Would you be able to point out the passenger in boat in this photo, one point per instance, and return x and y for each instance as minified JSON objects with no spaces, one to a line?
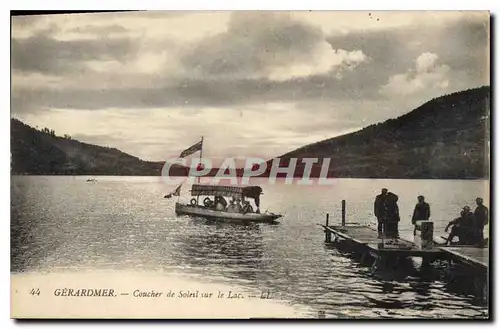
{"x":230,"y":208}
{"x":208,"y":203}
{"x":380,"y":209}
{"x":422,"y":212}
{"x":220,"y":203}
{"x":481,"y":219}
{"x":237,"y":206}
{"x":247,"y":207}
{"x":462,"y":227}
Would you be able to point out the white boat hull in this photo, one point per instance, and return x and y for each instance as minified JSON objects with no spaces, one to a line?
{"x":199,"y":211}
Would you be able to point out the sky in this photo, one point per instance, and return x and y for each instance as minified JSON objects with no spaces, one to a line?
{"x":256,"y":84}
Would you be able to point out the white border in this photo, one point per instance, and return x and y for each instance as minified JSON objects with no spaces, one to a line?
{"x":184,"y":5}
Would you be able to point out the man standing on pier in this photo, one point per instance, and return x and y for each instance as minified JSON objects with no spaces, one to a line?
{"x":480,"y":220}
{"x":380,"y":210}
{"x":391,"y":229}
{"x":422,"y":212}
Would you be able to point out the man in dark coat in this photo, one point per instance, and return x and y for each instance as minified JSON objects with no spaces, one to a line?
{"x":392,"y":221}
{"x":481,"y":219}
{"x":380,"y":209}
{"x":422,"y":212}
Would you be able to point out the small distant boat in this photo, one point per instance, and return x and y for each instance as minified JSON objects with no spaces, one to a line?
{"x":215,"y":208}
{"x":92,"y":180}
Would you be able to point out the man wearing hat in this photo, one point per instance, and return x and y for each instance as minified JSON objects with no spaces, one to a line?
{"x":380,"y":210}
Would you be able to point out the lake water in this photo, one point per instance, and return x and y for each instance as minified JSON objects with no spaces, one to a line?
{"x":62,"y":224}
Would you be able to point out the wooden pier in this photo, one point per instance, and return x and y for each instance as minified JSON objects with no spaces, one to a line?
{"x":393,"y":253}
{"x":367,"y":240}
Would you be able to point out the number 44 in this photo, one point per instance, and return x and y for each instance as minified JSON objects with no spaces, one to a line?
{"x":35,"y":292}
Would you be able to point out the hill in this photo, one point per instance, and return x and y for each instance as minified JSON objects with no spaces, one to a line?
{"x":446,"y":138}
{"x":37,"y":152}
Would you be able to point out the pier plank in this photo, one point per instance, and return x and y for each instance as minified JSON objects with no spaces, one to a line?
{"x":359,"y":234}
{"x":368,"y":237}
{"x":474,"y":255}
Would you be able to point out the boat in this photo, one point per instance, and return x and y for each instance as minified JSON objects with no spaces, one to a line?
{"x":213,"y":204}
{"x":239,"y":208}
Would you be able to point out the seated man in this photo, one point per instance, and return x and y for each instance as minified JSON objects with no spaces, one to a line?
{"x":462,"y":227}
{"x":237,"y":206}
{"x":231,"y":207}
{"x":220,"y":203}
{"x":456,"y":230}
{"x":247,"y":207}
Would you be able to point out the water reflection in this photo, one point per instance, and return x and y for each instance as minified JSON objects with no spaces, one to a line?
{"x":421,"y":288}
{"x":234,"y":250}
{"x":411,"y":286}
{"x":29,"y":243}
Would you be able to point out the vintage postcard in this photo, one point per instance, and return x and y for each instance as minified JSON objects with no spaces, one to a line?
{"x":250,"y":164}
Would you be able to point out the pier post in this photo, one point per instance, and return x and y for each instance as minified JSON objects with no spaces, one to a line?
{"x":343,"y":212}
{"x":328,"y":234}
{"x":424,"y":239}
{"x":427,"y":233}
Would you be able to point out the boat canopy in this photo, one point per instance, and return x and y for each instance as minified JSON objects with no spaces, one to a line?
{"x":238,"y":192}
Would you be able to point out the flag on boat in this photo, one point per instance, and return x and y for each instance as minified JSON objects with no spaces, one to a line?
{"x":195,"y":148}
{"x":176,"y":192}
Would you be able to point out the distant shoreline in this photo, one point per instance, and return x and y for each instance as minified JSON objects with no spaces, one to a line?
{"x":260,"y":177}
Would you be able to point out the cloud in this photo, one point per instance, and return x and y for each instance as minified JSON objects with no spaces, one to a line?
{"x":427,"y":75}
{"x":325,"y":60}
{"x":461,"y":41}
{"x":133,"y":91}
{"x":99,"y":30}
{"x":267,"y":45}
{"x":229,"y":58}
{"x":42,"y":53}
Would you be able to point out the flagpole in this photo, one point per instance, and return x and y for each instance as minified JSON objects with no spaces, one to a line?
{"x":201,"y":155}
